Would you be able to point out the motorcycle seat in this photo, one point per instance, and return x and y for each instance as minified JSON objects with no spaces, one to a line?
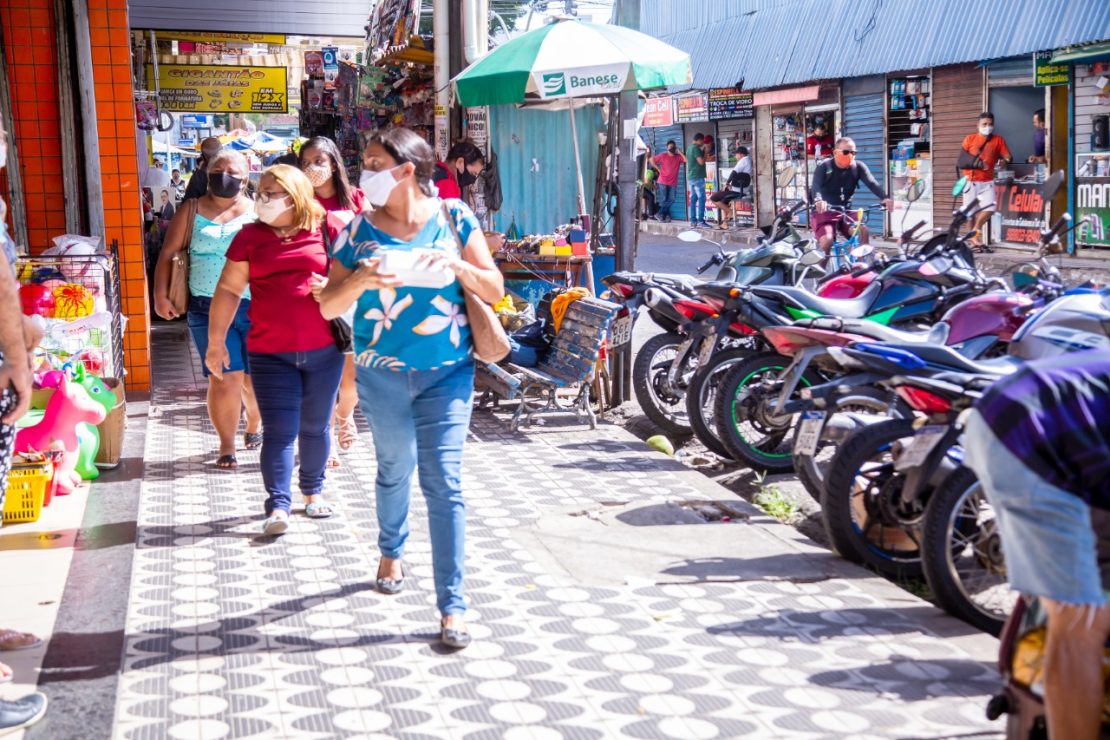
{"x":943,"y":357}
{"x":848,"y":308}
{"x":938,"y":334}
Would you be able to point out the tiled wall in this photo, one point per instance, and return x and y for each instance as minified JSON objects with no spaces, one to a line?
{"x":29,"y":43}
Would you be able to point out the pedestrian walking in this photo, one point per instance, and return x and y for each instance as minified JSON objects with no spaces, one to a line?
{"x":18,"y":337}
{"x":217,"y":217}
{"x":323,"y":165}
{"x":295,"y":363}
{"x":695,"y":176}
{"x":983,"y":150}
{"x":668,"y":163}
{"x":413,"y":354}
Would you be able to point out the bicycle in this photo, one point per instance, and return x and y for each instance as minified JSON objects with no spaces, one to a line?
{"x":841,"y":251}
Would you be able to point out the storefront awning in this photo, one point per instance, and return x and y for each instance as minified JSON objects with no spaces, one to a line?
{"x":791,"y":95}
{"x":1079,"y":53}
{"x":414,"y":53}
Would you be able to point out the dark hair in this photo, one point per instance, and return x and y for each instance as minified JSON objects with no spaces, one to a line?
{"x":671,"y":142}
{"x":742,"y":150}
{"x":699,"y":137}
{"x":405,"y":145}
{"x":468,"y":151}
{"x":1039,"y":113}
{"x":986,"y":114}
{"x":338,"y":172}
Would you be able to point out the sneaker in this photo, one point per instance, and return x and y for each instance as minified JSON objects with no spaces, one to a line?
{"x":21,"y":713}
{"x":277,"y":523}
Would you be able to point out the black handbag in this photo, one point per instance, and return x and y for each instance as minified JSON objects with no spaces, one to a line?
{"x":965,"y":160}
{"x":343,"y":335}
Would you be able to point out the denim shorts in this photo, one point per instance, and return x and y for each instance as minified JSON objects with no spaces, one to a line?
{"x":1049,"y":536}
{"x":197,"y":319}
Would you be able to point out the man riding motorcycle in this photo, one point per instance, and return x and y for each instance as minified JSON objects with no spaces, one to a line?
{"x":1039,"y":442}
{"x":834,"y":182}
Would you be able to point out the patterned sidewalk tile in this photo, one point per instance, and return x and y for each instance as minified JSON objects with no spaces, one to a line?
{"x":230,"y":634}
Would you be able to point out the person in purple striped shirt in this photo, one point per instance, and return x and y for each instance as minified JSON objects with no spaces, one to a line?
{"x":1039,"y":442}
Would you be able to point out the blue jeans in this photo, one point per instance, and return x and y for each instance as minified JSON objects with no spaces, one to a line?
{"x":420,"y":418}
{"x":665,"y":198}
{"x":697,"y":200}
{"x":296,"y":395}
{"x":197,"y":319}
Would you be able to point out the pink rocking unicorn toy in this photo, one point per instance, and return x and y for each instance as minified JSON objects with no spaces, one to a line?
{"x":69,"y":406}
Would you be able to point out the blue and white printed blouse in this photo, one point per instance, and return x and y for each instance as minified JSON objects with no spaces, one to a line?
{"x":409,"y":328}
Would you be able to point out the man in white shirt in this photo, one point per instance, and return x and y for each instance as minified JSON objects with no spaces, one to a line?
{"x":737,"y":187}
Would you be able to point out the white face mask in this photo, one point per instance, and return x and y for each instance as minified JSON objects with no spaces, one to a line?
{"x":986,"y":130}
{"x":317,"y":174}
{"x":272,"y":210}
{"x":3,"y":153}
{"x":377,"y":186}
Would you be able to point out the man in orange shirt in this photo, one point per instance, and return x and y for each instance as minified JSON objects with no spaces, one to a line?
{"x":989,"y":149}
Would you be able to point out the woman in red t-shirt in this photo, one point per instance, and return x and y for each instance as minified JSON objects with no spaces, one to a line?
{"x":465,"y":162}
{"x":323,"y":165}
{"x":283,"y":258}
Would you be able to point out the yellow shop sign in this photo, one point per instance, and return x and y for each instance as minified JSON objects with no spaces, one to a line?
{"x":207,"y":37}
{"x":212,"y":88}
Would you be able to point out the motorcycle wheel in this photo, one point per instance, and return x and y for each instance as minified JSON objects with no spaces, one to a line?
{"x":666,"y":411}
{"x":861,"y":509}
{"x":962,"y":554}
{"x":813,"y":469}
{"x":701,"y":398}
{"x":748,"y":431}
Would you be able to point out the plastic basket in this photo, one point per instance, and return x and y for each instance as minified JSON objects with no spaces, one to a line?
{"x":26,"y":488}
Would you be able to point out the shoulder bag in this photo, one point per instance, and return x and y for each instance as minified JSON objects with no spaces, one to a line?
{"x":342,"y":333}
{"x":491,"y":343}
{"x":968,"y":161}
{"x":179,"y":265}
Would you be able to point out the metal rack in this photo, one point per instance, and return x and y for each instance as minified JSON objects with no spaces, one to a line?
{"x":100,"y":270}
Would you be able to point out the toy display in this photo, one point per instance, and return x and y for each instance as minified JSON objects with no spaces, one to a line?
{"x":70,"y":406}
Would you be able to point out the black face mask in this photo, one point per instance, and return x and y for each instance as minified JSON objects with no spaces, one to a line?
{"x":466,"y":179}
{"x":223,"y":185}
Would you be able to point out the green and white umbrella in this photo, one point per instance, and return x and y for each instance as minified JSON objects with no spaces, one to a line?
{"x":569,"y":59}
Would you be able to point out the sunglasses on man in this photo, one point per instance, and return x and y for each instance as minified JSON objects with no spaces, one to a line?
{"x":848,"y":152}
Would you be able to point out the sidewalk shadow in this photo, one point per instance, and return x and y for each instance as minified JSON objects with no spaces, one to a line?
{"x":164,"y":535}
{"x":915,"y":680}
{"x":789,"y":567}
{"x":828,"y":623}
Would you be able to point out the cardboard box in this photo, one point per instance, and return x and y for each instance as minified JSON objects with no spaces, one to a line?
{"x":112,"y":428}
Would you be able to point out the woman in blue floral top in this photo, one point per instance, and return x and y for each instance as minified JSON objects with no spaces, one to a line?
{"x":413,"y":354}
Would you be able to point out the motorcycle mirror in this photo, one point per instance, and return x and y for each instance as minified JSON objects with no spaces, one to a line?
{"x":915,"y":191}
{"x":1052,"y":185}
{"x":812,"y":257}
{"x":862,"y":250}
{"x":960,"y":186}
{"x":689,"y":236}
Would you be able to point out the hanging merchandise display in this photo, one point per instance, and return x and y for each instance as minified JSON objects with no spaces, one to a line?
{"x":789,"y":145}
{"x":392,"y":24}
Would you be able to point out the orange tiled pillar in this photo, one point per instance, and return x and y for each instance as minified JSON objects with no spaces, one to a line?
{"x":119,"y":168}
{"x":29,"y":44}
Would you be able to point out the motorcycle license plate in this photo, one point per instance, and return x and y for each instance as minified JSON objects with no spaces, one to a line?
{"x":809,"y":432}
{"x":622,"y":331}
{"x":923,"y":443}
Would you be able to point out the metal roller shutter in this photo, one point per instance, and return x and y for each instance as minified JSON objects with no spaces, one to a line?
{"x":661,"y":136}
{"x":957,"y":102}
{"x":1011,"y":72}
{"x":863,"y":122}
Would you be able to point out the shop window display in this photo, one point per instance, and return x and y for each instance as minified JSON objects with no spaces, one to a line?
{"x":909,"y":101}
{"x":789,"y":142}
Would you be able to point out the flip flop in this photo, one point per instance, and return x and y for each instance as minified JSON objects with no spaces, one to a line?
{"x":252,"y":440}
{"x":318,"y":510}
{"x":227,"y":462}
{"x":5,"y":635}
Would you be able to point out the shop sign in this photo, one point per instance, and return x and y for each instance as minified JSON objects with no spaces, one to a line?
{"x":658,"y":112}
{"x":790,"y":95}
{"x":196,"y":121}
{"x":1092,"y":198}
{"x":209,"y":88}
{"x":691,"y":107}
{"x":728,"y":102}
{"x":1045,"y":73}
{"x":1021,"y":206}
{"x":206,"y":37}
{"x":330,"y":56}
{"x":602,"y":80}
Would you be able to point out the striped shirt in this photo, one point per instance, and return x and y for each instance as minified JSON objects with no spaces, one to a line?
{"x":1054,"y":415}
